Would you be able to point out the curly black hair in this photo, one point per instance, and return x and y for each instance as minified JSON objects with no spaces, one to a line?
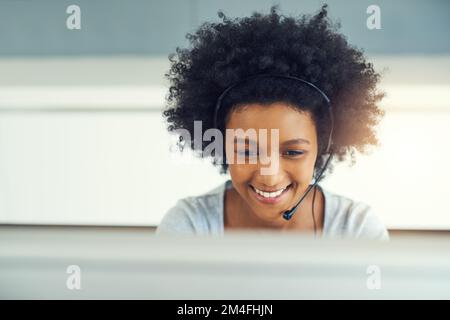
{"x":308,"y":47}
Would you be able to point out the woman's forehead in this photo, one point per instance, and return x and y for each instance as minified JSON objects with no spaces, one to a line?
{"x":276,"y":115}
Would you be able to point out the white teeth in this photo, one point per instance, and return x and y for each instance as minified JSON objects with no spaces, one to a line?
{"x":269,"y":194}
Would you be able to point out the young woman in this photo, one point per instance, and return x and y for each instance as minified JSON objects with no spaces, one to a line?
{"x":297,"y":75}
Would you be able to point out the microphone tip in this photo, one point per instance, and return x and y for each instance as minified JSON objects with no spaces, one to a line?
{"x":287,"y":215}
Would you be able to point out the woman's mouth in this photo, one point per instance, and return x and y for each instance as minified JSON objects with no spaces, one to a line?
{"x":270,"y":197}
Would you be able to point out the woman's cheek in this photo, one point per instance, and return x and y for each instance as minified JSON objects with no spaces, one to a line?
{"x":301,"y":171}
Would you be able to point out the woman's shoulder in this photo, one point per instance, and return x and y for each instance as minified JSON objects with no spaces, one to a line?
{"x":195,"y":214}
{"x":347,"y":217}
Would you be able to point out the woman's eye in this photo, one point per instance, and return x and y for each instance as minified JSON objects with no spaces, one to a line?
{"x":289,"y":153}
{"x":294,"y":153}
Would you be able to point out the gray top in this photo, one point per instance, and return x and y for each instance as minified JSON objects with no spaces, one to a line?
{"x":204,"y":215}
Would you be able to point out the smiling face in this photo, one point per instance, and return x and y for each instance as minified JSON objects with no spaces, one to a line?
{"x":267,"y":196}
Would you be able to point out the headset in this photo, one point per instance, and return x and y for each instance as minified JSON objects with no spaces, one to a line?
{"x":287,"y":215}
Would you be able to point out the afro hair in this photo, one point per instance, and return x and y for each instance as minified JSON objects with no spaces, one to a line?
{"x":308,"y":47}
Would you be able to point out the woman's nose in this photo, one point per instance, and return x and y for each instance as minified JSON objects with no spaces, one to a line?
{"x":272,"y":180}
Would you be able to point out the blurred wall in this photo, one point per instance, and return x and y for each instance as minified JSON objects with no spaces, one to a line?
{"x":29,"y":27}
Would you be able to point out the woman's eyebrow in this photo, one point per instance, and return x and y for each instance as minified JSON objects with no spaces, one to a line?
{"x":295,"y":141}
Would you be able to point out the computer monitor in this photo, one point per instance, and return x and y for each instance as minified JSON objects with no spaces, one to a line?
{"x":128,"y":263}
